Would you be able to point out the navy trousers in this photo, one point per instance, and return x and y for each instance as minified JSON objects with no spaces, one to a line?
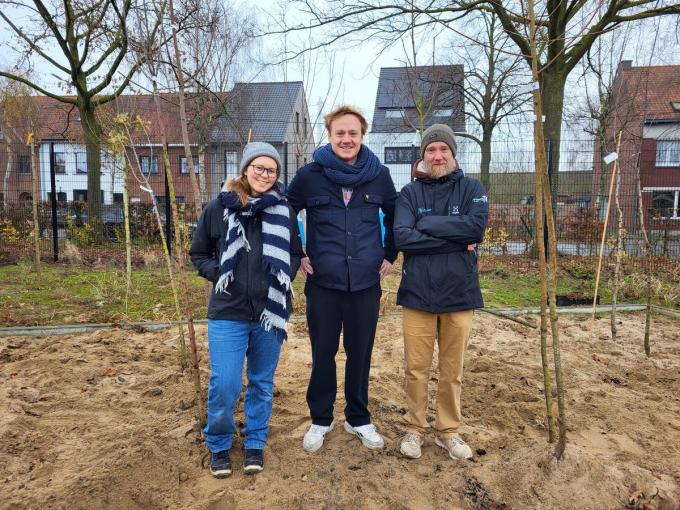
{"x":355,"y":313}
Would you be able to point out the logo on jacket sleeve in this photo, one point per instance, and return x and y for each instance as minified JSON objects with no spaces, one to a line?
{"x":481,"y":199}
{"x":453,"y":210}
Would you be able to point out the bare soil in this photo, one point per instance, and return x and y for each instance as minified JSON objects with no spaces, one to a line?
{"x":104,"y":420}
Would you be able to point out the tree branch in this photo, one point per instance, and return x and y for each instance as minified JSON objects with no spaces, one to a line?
{"x":38,"y":88}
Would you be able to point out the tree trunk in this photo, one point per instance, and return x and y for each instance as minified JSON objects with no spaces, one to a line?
{"x":552,"y":96}
{"x":619,"y":254}
{"x":181,"y":247}
{"x":485,"y":148}
{"x":8,"y":169}
{"x":128,"y":237}
{"x":93,"y":132}
{"x":196,"y":191}
{"x":548,"y":266}
{"x":35,"y":192}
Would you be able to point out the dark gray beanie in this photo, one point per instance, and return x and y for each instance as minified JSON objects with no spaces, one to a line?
{"x":438,"y":133}
{"x":255,"y":150}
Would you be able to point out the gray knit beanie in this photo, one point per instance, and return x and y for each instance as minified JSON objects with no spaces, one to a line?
{"x":255,"y":150}
{"x":438,"y":133}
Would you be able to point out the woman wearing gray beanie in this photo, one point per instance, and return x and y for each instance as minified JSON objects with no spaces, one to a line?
{"x":248,"y":245}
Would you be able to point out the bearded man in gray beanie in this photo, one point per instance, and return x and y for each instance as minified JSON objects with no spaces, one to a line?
{"x":439,"y":219}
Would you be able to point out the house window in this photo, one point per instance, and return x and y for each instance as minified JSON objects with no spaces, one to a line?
{"x":297,"y":123}
{"x":148,"y":164}
{"x":117,"y":198}
{"x":393,"y":113}
{"x":665,"y":204}
{"x":25,"y":197}
{"x":81,"y":162}
{"x":59,"y":163}
{"x":24,"y":164}
{"x":400,"y":155}
{"x":230,"y":166}
{"x":668,"y":153}
{"x":80,"y":195}
{"x":443,"y":112}
{"x":305,"y":127}
{"x":61,"y":196}
{"x":180,"y":199}
{"x":183,"y":164}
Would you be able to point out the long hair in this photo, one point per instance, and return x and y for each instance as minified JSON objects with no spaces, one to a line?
{"x":240,"y":186}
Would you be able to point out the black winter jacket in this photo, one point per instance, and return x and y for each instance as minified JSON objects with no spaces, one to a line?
{"x":434,"y":222}
{"x":344,"y":243}
{"x":248,"y":291}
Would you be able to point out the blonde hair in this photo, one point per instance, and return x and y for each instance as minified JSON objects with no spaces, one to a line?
{"x":345,"y":110}
{"x":241,"y":187}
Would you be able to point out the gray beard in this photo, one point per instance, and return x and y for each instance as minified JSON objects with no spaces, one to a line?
{"x":437,"y":173}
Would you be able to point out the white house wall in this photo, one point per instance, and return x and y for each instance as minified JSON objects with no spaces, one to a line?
{"x":377,"y":142}
{"x":111,"y":172}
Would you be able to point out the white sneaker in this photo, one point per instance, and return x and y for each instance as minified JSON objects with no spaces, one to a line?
{"x":455,"y":446}
{"x":315,"y":436}
{"x":410,"y":444}
{"x":368,"y":435}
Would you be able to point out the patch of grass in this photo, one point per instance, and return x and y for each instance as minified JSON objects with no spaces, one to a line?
{"x":68,"y":294}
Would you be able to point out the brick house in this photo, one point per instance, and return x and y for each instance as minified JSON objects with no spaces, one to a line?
{"x":61,"y":151}
{"x":646,"y":110}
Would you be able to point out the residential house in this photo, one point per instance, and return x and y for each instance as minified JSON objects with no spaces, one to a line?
{"x":409,"y":100}
{"x":15,"y":154}
{"x":272,"y":112}
{"x":646,"y":110}
{"x":218,"y":128}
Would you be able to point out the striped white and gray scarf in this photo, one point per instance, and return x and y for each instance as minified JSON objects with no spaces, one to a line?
{"x":273,"y":210}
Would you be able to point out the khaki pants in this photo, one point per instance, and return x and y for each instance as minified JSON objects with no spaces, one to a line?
{"x":452,"y":331}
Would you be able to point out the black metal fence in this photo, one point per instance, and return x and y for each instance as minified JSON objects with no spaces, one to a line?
{"x":57,"y":176}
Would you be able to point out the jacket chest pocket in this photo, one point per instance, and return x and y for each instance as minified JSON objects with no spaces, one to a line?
{"x":370,"y":207}
{"x":317,"y":210}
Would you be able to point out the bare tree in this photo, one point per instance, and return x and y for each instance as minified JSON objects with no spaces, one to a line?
{"x":565,"y":30}
{"x":90,"y":39}
{"x":492,"y":89}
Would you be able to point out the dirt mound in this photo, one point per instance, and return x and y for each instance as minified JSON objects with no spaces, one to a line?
{"x":104,"y":420}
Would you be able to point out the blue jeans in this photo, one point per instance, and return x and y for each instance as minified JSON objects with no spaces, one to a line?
{"x":229,"y":343}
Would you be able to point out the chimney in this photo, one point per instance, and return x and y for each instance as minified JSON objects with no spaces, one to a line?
{"x":625,"y":65}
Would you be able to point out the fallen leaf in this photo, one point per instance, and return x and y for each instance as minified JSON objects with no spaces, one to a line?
{"x":107,"y":372}
{"x":635,"y":496}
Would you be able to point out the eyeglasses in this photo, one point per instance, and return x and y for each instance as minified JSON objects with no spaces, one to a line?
{"x":262,"y":170}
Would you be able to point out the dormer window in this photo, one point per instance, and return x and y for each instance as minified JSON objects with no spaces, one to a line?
{"x":393,"y":113}
{"x":675,"y":105}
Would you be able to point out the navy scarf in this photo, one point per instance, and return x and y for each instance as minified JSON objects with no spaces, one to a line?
{"x":365,"y":169}
{"x":272,"y":207}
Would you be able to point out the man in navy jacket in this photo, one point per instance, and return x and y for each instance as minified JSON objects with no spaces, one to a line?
{"x":342,"y":191}
{"x":438,"y":221}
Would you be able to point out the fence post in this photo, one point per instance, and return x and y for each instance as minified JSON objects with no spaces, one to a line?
{"x":414,"y":157}
{"x":168,"y":214}
{"x":285,"y":164}
{"x":53,"y":203}
{"x":550,"y":161}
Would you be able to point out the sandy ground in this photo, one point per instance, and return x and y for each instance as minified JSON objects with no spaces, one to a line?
{"x":104,"y":420}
